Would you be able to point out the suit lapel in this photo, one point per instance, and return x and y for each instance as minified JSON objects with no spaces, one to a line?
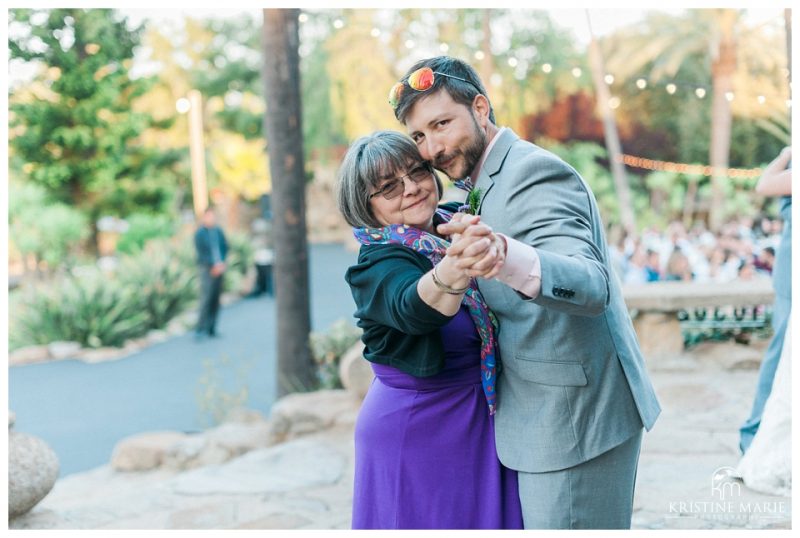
{"x":493,"y":164}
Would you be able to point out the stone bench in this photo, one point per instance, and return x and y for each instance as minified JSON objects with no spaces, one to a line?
{"x":655,"y":306}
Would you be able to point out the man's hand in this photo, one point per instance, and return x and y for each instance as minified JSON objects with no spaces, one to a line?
{"x":217,"y":269}
{"x":478,"y":250}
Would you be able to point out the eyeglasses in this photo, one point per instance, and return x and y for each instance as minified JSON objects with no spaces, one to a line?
{"x":421,"y":80}
{"x":396,"y":186}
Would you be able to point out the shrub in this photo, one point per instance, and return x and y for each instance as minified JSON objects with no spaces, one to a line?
{"x":48,"y":230}
{"x":165,"y":283}
{"x":90,"y":309}
{"x":328,"y":348}
{"x":141,"y":229}
{"x":239,"y":260}
{"x":98,"y":309}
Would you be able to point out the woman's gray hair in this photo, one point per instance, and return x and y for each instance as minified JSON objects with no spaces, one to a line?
{"x":368,"y":161}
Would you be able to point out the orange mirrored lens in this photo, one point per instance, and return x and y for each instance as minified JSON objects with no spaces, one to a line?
{"x":421,"y":79}
{"x":395,"y":93}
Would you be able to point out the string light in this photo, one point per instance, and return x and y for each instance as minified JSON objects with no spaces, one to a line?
{"x":375,"y":32}
{"x":444,"y":47}
{"x":512,"y":62}
{"x":671,"y":88}
{"x":409,"y":44}
{"x":761,"y":99}
{"x":609,"y":79}
{"x":691,"y":169}
{"x":547,"y":68}
{"x":641,"y":84}
{"x":479,"y":55}
{"x":338,"y":24}
{"x":614,"y":103}
{"x":303,"y":17}
{"x":576,"y":72}
{"x":729,"y":96}
{"x":700,"y":92}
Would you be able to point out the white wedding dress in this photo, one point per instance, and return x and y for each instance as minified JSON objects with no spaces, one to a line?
{"x":767,"y":464}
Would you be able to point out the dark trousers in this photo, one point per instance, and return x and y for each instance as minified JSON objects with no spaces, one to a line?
{"x":263,"y":280}
{"x":210,"y":291}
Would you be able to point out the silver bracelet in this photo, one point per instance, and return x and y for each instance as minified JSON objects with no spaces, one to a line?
{"x":444,"y":287}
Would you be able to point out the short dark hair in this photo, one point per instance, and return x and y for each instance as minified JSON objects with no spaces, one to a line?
{"x":460,"y":91}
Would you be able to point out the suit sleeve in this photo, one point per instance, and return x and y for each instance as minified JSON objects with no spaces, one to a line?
{"x":384,"y":286}
{"x":554,"y":215}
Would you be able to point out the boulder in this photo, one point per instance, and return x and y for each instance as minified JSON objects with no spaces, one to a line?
{"x":29,"y":355}
{"x":32,"y":472}
{"x":63,"y":350}
{"x":243,"y":415}
{"x":193,"y":452}
{"x":355,"y":371}
{"x":101,"y":354}
{"x":144,"y":451}
{"x":308,"y":412}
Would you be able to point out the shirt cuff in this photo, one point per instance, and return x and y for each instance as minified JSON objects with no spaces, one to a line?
{"x":522,"y":270}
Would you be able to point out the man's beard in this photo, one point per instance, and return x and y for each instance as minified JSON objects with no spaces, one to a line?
{"x":472,"y":153}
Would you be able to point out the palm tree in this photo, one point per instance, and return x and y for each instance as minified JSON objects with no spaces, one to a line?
{"x":613,"y":145}
{"x":284,"y":131}
{"x":664,"y":43}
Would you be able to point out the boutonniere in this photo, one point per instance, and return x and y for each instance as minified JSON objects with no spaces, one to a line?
{"x":473,"y":201}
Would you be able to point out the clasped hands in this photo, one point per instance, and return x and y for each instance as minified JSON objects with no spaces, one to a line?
{"x":476,"y":249}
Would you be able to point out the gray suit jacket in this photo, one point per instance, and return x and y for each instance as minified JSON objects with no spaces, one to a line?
{"x":573,"y":383}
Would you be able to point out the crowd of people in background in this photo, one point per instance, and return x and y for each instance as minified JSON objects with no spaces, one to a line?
{"x":743,"y":249}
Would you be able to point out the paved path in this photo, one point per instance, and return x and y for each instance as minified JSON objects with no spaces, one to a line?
{"x":82,"y":410}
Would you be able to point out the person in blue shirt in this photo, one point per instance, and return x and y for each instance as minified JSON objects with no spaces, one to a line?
{"x":212,"y":248}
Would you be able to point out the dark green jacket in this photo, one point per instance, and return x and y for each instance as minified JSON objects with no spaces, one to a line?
{"x":400,"y":330}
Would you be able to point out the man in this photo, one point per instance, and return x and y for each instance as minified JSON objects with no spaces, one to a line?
{"x":209,"y":241}
{"x":573,"y":395}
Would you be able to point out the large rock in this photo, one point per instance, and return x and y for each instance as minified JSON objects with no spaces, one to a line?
{"x":32,"y":472}
{"x":29,"y":355}
{"x":298,"y":465}
{"x":355,"y":371}
{"x":308,"y":412}
{"x":218,"y":445}
{"x":144,"y":451}
{"x":63,"y":350}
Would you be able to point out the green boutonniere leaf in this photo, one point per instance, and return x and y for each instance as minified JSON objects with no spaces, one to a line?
{"x":473,"y":201}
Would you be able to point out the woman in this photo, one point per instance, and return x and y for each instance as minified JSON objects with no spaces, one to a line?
{"x":424,"y":440}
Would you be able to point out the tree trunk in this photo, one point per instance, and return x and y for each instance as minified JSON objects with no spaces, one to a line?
{"x":283,"y":128}
{"x":689,"y":201}
{"x":613,"y":145}
{"x":721,"y":119}
{"x":486,"y":47}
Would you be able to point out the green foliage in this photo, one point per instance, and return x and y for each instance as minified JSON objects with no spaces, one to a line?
{"x":89,"y":309}
{"x":74,"y":125}
{"x":105,"y":309}
{"x":143,"y":227}
{"x":165,"y":285}
{"x":50,"y":231}
{"x":328,"y":348}
{"x":240,"y":260}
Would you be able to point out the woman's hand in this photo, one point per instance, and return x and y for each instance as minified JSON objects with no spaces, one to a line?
{"x":478,"y":251}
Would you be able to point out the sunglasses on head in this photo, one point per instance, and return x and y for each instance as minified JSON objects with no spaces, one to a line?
{"x":420,"y":80}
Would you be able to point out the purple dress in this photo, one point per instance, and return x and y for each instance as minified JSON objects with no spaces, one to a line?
{"x":425,"y":452}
